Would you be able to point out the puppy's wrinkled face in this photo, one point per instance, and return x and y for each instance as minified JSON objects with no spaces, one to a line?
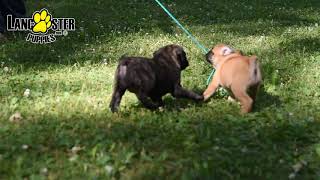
{"x":174,"y":53}
{"x":215,"y":54}
{"x":182,"y":59}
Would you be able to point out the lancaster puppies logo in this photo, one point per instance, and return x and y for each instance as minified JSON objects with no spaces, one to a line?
{"x":42,"y":26}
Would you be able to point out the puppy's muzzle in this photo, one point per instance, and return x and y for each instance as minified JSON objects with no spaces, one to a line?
{"x":208,"y":57}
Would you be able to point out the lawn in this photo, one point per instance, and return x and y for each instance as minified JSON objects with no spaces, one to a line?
{"x":68,"y":132}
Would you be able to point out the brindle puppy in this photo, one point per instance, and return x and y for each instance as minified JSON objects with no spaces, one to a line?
{"x":150,"y":79}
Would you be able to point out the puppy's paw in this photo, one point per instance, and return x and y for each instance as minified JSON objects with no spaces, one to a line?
{"x":161,"y":109}
{"x":199,"y":98}
{"x":205,"y":97}
{"x":230,"y":99}
{"x":113,"y":109}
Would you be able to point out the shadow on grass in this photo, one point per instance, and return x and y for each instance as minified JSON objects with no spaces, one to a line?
{"x":195,"y":145}
{"x":177,"y":104}
{"x":172,"y":104}
{"x":110,"y":20}
{"x":266,"y":100}
{"x":302,"y":44}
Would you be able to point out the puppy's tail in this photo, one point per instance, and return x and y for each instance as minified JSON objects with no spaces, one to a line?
{"x":119,"y":84}
{"x":255,"y":72}
{"x":121,"y":71}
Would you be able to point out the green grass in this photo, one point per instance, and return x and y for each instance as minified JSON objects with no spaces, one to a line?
{"x":71,"y":84}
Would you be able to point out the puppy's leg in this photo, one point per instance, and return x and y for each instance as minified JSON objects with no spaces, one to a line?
{"x":146,"y":101}
{"x":231,"y":97}
{"x":211,"y":88}
{"x":180,"y":92}
{"x":254,"y":91}
{"x":242,"y":96}
{"x":116,"y":98}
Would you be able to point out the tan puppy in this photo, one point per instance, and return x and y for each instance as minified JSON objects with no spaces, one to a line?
{"x":237,"y":73}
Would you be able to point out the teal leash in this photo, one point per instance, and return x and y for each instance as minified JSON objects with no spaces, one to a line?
{"x":210,"y":76}
{"x":200,"y":46}
{"x":205,"y":50}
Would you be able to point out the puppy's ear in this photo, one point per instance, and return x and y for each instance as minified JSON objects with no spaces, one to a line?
{"x":158,"y":52}
{"x":182,"y":58}
{"x":226,"y":51}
